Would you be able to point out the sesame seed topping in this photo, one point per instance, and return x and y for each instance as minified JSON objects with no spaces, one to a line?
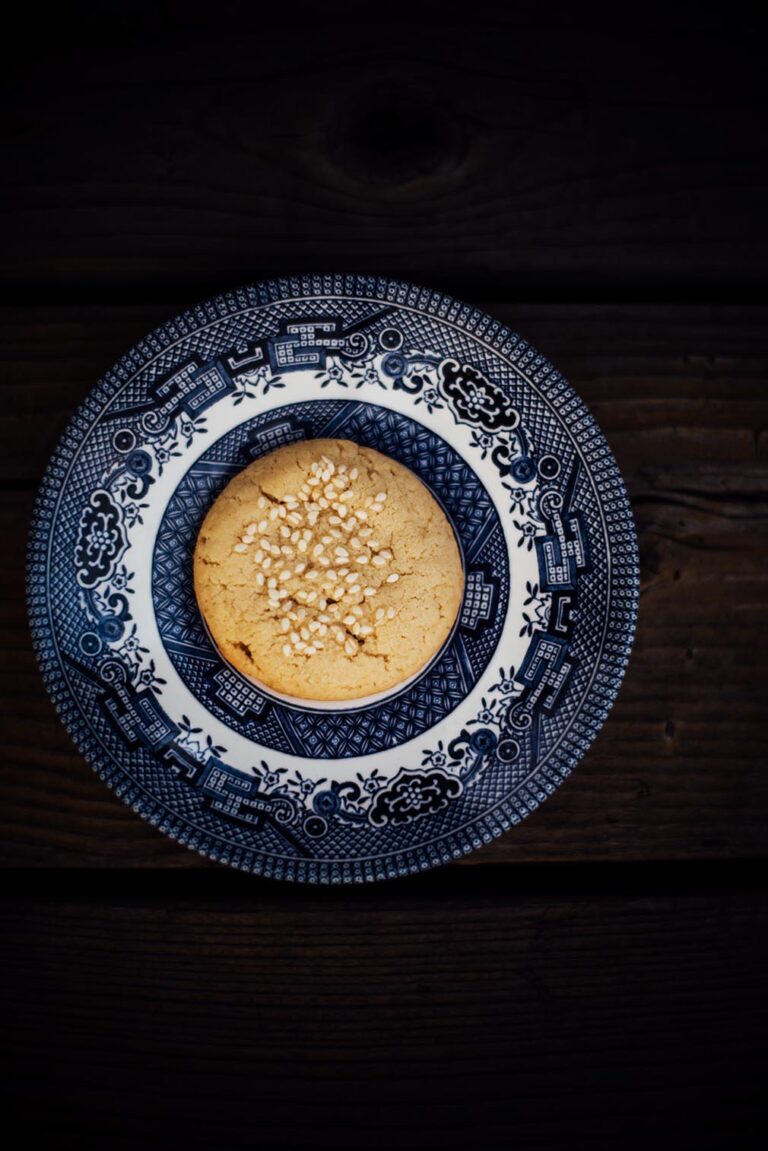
{"x":325,"y":590}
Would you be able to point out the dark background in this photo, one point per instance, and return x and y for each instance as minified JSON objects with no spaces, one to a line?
{"x":596,"y":977}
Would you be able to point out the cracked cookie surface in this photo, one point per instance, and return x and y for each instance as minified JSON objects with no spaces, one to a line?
{"x":327,"y":571}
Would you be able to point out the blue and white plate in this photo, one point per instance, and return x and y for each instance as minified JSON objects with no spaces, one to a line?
{"x":381,"y":787}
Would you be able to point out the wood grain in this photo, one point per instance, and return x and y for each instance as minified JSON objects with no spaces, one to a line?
{"x":500,"y":1007}
{"x":515,"y":153}
{"x":678,"y":770}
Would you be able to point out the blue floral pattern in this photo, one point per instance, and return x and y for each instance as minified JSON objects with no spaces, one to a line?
{"x":567,"y":514}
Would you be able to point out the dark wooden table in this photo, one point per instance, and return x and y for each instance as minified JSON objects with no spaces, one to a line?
{"x":596,"y":977}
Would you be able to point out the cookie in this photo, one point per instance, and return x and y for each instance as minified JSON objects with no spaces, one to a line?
{"x":327,"y":571}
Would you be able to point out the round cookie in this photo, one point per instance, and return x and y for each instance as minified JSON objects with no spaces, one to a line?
{"x":327,"y":571}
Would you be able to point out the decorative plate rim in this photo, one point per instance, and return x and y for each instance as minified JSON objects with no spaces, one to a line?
{"x":607,"y":676}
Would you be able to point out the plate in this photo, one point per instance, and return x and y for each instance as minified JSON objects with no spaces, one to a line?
{"x":386,"y":786}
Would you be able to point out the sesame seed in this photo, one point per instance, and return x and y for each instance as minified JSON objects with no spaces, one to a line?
{"x":287,"y":649}
{"x":361,"y":515}
{"x":258,"y":556}
{"x":378,"y":561}
{"x":369,"y":591}
{"x":313,"y":481}
{"x":355,"y":629}
{"x":301,"y":646}
{"x":366,"y":532}
{"x":241,"y":547}
{"x":322,"y":502}
{"x":304,"y":632}
{"x":263,"y":525}
{"x":273,"y":513}
{"x":353,"y":577}
{"x":342,"y":572}
{"x":380,"y":613}
{"x":350,"y":647}
{"x":267,"y":562}
{"x":259,"y":579}
{"x":354,"y":473}
{"x":261,"y":502}
{"x":345,"y":497}
{"x":285,"y":625}
{"x":357,"y":610}
{"x":393,"y":578}
{"x":302,"y":545}
{"x":295,"y":637}
{"x":380,"y":497}
{"x":340,"y":636}
{"x":285,"y":533}
{"x":334,"y":520}
{"x":390,"y":613}
{"x":299,"y":568}
{"x":361,"y":559}
{"x":377,"y":507}
{"x":310,"y":650}
{"x":311,"y":574}
{"x":366,"y":629}
{"x":286,"y":550}
{"x":252,"y":529}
